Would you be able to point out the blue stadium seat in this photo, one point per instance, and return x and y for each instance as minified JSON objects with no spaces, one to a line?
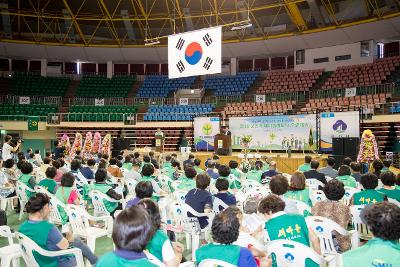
{"x":173,"y":112}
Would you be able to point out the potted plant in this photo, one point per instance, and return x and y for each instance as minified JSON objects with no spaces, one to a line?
{"x":245,"y":142}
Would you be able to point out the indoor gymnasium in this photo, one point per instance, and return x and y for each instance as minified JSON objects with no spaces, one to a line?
{"x":199,"y":133}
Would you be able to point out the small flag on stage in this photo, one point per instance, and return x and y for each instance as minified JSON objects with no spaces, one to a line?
{"x":310,"y":139}
{"x":33,"y":123}
{"x":194,"y":53}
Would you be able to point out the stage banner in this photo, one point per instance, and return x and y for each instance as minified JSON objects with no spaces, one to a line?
{"x":205,"y":128}
{"x":275,"y":132}
{"x":338,"y":124}
{"x":194,"y":53}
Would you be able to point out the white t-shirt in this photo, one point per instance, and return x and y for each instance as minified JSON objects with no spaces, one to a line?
{"x":6,"y":152}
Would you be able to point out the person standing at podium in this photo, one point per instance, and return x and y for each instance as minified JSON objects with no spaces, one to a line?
{"x":160,"y":134}
{"x":225,"y":130}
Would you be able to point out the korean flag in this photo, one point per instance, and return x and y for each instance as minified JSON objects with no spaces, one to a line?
{"x":194,"y":53}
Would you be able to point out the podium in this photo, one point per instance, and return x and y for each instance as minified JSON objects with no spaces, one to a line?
{"x":222,"y":144}
{"x":159,"y":143}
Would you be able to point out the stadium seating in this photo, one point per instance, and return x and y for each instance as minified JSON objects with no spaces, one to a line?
{"x":362,"y":75}
{"x":101,"y":86}
{"x":280,"y":81}
{"x":395,"y":108}
{"x":255,"y":109}
{"x":33,"y":84}
{"x":230,"y":85}
{"x":13,"y":112}
{"x":99,"y":113}
{"x":161,"y":86}
{"x":174,"y":112}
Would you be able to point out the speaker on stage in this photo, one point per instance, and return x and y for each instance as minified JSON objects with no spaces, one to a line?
{"x":351,"y":146}
{"x":337,"y":146}
{"x":343,"y":147}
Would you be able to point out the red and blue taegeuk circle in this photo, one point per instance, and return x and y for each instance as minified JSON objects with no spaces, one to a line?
{"x":193,"y":53}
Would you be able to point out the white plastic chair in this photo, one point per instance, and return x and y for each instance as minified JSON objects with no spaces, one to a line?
{"x":130,"y":184}
{"x":358,"y":224}
{"x":213,"y":263}
{"x":349,"y":192}
{"x":97,"y":197}
{"x":302,"y":207}
{"x":11,"y":253}
{"x":55,"y":216}
{"x":249,"y":184}
{"x":21,"y":189}
{"x":324,"y":227}
{"x":394,"y":201}
{"x":29,"y":246}
{"x":314,"y":183}
{"x":317,"y":196}
{"x":79,"y":221}
{"x":218,"y":203}
{"x":165,"y":182}
{"x":257,"y":192}
{"x":180,"y":195}
{"x":292,"y":254}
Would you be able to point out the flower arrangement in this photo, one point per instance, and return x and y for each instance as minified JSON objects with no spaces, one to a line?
{"x":96,"y":143}
{"x":245,"y":140}
{"x":87,"y":147}
{"x":106,"y":145}
{"x":368,"y":148}
{"x":65,"y":143}
{"x":77,"y":145}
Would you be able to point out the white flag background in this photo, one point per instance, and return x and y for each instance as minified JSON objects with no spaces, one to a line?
{"x":194,"y":53}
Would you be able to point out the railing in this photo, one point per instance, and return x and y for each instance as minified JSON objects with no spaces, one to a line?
{"x":36,"y":100}
{"x":361,"y":90}
{"x":20,"y":117}
{"x":114,"y":101}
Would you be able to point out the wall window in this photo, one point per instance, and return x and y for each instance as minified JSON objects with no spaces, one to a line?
{"x":300,"y":57}
{"x":321,"y":60}
{"x":343,"y":57}
{"x":365,"y":49}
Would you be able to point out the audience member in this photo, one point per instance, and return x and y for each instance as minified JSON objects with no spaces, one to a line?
{"x":233,"y":164}
{"x":279,"y":185}
{"x":225,"y":172}
{"x":196,"y":166}
{"x":306,"y":165}
{"x":27,"y":178}
{"x":89,"y":170}
{"x":297,"y":189}
{"x":134,"y":173}
{"x":271,"y":172}
{"x":189,"y":161}
{"x":143,"y":189}
{"x":10,"y":172}
{"x":377,"y":167}
{"x":45,"y":164}
{"x":188,"y":182}
{"x":383,"y":219}
{"x":222,"y":186}
{"x":67,"y":192}
{"x":369,"y":195}
{"x":48,"y":183}
{"x":335,"y":210}
{"x":388,"y":180}
{"x":329,"y":169}
{"x":344,"y":175}
{"x":255,"y":173}
{"x":211,"y":171}
{"x":347,"y":161}
{"x":113,"y":169}
{"x":386,"y":165}
{"x":355,"y":169}
{"x":56,"y":164}
{"x":313,"y":173}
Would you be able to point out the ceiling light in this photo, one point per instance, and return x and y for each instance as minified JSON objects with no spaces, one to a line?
{"x":149,"y":42}
{"x":241,"y":26}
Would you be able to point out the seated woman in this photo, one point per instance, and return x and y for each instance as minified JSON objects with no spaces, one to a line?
{"x":59,"y":173}
{"x":132,"y":230}
{"x":255,"y":172}
{"x":101,"y":185}
{"x":187,"y":182}
{"x":233,"y":164}
{"x":388,"y":180}
{"x":225,"y":231}
{"x":127,"y":165}
{"x":159,"y":245}
{"x":49,"y":182}
{"x":200,"y":199}
{"x":222,"y":185}
{"x":383,"y":219}
{"x":48,"y":237}
{"x":26,"y":177}
{"x":344,"y":175}
{"x":113,"y":169}
{"x":143,"y":189}
{"x":282,"y":225}
{"x":225,"y":172}
{"x":335,"y":210}
{"x":297,"y":189}
{"x":369,"y":195}
{"x":67,"y":192}
{"x":10,"y":172}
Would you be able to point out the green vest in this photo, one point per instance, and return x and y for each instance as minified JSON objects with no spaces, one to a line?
{"x":254,"y":175}
{"x":227,"y":253}
{"x":103,"y":188}
{"x":366,"y":197}
{"x":127,"y":166}
{"x":304,"y":167}
{"x":395,"y":194}
{"x":348,"y":180}
{"x":236,"y":173}
{"x":156,"y":243}
{"x":186,"y":184}
{"x":233,"y":183}
{"x":301,"y":195}
{"x":265,"y":167}
{"x":112,"y":260}
{"x":63,"y":198}
{"x":49,"y":184}
{"x":24,"y":178}
{"x":198,"y":170}
{"x":39,"y":232}
{"x":376,"y":252}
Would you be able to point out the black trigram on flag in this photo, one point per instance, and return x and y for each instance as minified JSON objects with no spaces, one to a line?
{"x":207,"y":39}
{"x":180,"y":44}
{"x":208,"y":63}
{"x":180,"y":66}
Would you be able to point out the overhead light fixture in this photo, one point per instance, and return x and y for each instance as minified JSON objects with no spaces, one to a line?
{"x":242,"y":25}
{"x":154,"y":41}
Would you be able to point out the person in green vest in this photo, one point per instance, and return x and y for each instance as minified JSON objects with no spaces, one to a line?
{"x":281,"y":225}
{"x":167,"y":168}
{"x":177,"y":170}
{"x":148,"y":175}
{"x":127,"y":165}
{"x":344,"y":175}
{"x":306,"y":165}
{"x":196,"y":166}
{"x":132,"y":230}
{"x":101,"y":185}
{"x":187,"y":182}
{"x":386,"y":165}
{"x":26,"y":177}
{"x":233,"y":164}
{"x":255,"y":172}
{"x":297,"y":189}
{"x":48,"y":237}
{"x":225,"y":231}
{"x":49,"y":182}
{"x":225,"y":172}
{"x":383,"y":219}
{"x":388,"y":180}
{"x":369,"y":195}
{"x":159,"y":245}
